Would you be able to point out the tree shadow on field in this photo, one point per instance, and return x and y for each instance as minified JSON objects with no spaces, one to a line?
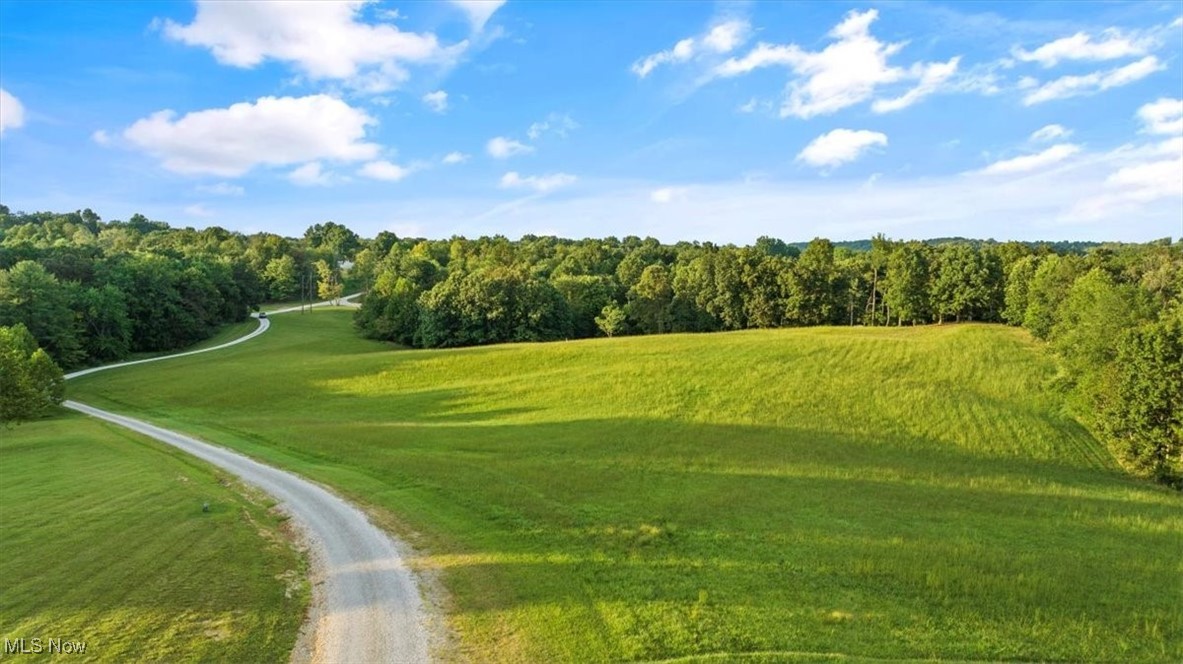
{"x":653,"y":516}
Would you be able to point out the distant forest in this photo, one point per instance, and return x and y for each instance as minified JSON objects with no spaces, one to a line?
{"x":91,"y":291}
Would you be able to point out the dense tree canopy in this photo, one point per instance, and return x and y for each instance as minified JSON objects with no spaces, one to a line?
{"x":30,"y":382}
{"x":91,"y":292}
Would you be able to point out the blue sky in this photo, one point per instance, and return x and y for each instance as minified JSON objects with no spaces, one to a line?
{"x":692,"y":121}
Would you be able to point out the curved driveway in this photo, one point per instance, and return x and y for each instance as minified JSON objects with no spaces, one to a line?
{"x":366,"y":603}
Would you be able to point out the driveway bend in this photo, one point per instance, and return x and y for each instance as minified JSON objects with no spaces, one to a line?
{"x":367,"y":604}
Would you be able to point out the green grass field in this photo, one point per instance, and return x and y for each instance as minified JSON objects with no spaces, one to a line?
{"x":791,"y":494}
{"x":103,"y":540}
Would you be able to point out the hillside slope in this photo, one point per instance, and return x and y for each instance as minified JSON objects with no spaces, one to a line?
{"x":873,"y":492}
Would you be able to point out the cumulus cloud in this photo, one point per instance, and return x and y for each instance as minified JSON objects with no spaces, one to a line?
{"x":721,"y":38}
{"x":101,"y":137}
{"x":12,"y":112}
{"x":1031,"y":162}
{"x":455,"y":158}
{"x":840,"y":146}
{"x":1113,"y":44}
{"x":384,"y":170}
{"x":1049,"y":133}
{"x":273,"y":131}
{"x":436,"y":101}
{"x":478,"y":11}
{"x":1164,"y":116}
{"x":539,"y":183}
{"x":1089,"y":84}
{"x":847,"y":72}
{"x":501,"y":147}
{"x":555,"y":123}
{"x":322,"y":40}
{"x":310,"y":175}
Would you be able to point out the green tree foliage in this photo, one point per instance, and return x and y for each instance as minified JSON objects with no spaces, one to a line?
{"x":338,"y":241}
{"x":1049,"y":286}
{"x":906,"y":294}
{"x":30,"y":382}
{"x":586,"y":296}
{"x":390,"y":310}
{"x":812,"y":286}
{"x":612,"y":320}
{"x":282,"y":277}
{"x":1143,"y":419}
{"x":962,"y":282}
{"x":1094,"y":313}
{"x":35,"y":298}
{"x":107,"y":329}
{"x":104,"y":290}
{"x":651,"y":299}
{"x":328,"y":281}
{"x":492,"y":305}
{"x":1018,"y":285}
{"x":1114,"y":317}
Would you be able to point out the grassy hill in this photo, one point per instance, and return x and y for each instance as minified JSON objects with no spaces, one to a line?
{"x":103,"y":540}
{"x":897,"y":493}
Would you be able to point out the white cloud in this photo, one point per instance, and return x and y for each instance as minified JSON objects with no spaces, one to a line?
{"x":721,"y":38}
{"x":681,"y":52}
{"x":539,"y":183}
{"x":1031,"y":162}
{"x":1147,"y":175}
{"x":436,"y":101}
{"x":1080,"y":46}
{"x":555,"y":123}
{"x":847,"y":72}
{"x":101,"y":137}
{"x":1098,"y":81}
{"x":310,"y":175}
{"x":724,"y":37}
{"x":270,"y":132}
{"x":455,"y":158}
{"x":478,"y":11}
{"x":221,"y":189}
{"x":384,"y":170}
{"x":504,"y":148}
{"x":1164,"y":116}
{"x":323,"y":40}
{"x":840,"y":146}
{"x":1134,"y":186}
{"x":932,"y":77}
{"x":1049,"y":133}
{"x":12,"y":112}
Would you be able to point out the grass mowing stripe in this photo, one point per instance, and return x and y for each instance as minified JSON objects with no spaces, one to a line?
{"x":103,"y":540}
{"x":896,"y":493}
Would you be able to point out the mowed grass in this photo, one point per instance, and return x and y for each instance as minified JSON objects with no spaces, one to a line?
{"x":775,"y":495}
{"x":103,"y":540}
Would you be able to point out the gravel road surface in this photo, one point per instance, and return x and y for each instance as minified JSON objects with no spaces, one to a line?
{"x":366,"y":602}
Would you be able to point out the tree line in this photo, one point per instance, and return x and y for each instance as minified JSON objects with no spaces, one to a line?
{"x":1112,"y":313}
{"x":89,"y":291}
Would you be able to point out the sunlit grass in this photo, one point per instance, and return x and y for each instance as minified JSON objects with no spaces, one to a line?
{"x":103,"y":540}
{"x":899,"y":493}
